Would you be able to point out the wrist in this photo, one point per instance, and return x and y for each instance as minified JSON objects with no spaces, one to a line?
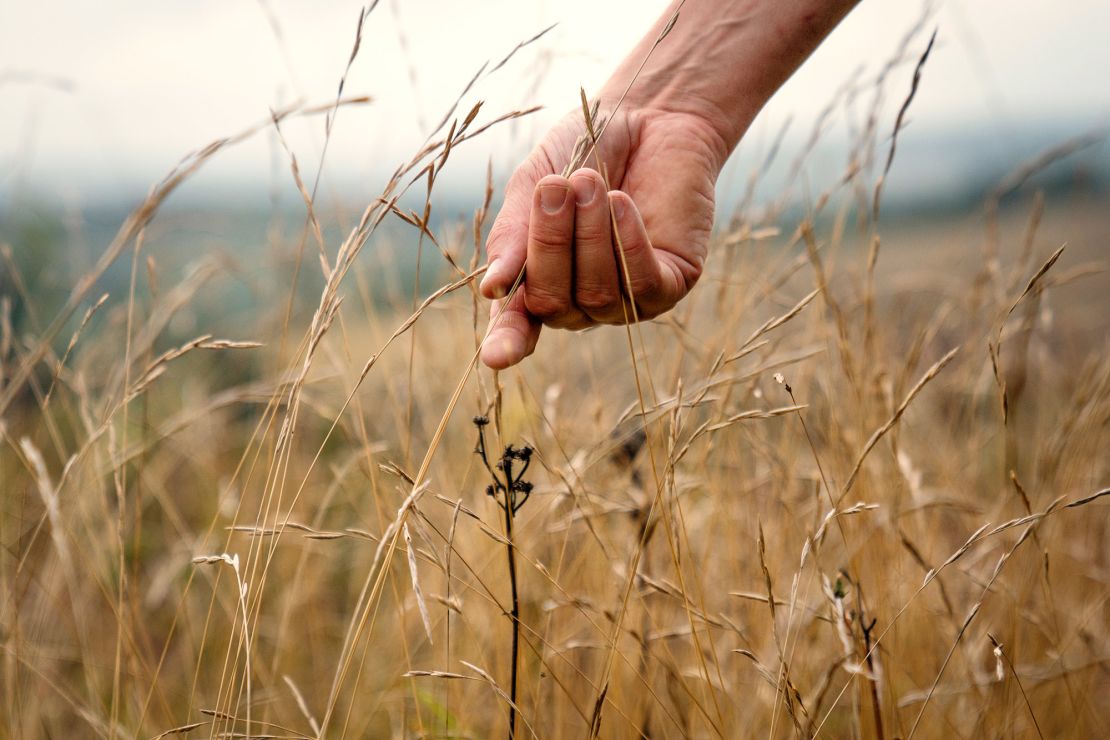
{"x":722,"y":61}
{"x":719,"y":129}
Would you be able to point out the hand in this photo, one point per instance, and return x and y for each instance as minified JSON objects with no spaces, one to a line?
{"x":662,"y":168}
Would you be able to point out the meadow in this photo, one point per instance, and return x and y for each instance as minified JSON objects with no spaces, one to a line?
{"x":854,"y":486}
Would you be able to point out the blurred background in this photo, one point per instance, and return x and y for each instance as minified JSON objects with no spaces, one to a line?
{"x":98,"y":101}
{"x":1001,"y":161}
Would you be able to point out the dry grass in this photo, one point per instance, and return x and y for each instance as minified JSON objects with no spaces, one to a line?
{"x":857,"y":495}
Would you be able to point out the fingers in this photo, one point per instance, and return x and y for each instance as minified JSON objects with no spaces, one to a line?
{"x":596,"y":286}
{"x":513,"y":337}
{"x":586,"y":250}
{"x":506,"y":246}
{"x":654,"y":285}
{"x":551,"y":255}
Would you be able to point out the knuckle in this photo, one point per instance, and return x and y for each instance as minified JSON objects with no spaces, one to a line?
{"x":531,"y":171}
{"x":643,"y":286}
{"x":548,"y":241}
{"x":633,"y":246}
{"x":545,"y":305}
{"x":502,"y":236}
{"x":595,"y":298}
{"x":525,"y":177}
{"x":592,"y":234}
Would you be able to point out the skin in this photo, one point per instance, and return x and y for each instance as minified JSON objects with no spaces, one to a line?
{"x":661,"y":152}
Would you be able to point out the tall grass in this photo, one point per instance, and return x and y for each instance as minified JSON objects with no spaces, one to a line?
{"x":850,"y":487}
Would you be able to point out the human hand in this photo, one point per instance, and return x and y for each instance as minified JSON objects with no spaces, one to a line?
{"x":662,"y":167}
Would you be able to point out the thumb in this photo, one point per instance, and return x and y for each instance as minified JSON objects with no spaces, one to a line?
{"x":507,"y":244}
{"x":514,"y":335}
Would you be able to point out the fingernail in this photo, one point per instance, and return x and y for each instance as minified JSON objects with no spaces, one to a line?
{"x":584,"y":190}
{"x":493,"y":275}
{"x":552,"y":198}
{"x":499,"y":351}
{"x":619,"y":206}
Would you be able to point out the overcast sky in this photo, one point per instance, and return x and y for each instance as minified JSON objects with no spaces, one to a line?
{"x":101,"y":97}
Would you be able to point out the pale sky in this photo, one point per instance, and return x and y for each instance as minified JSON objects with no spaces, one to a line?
{"x":98,"y":97}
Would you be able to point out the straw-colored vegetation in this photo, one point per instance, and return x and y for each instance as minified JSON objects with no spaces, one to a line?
{"x":850,"y":487}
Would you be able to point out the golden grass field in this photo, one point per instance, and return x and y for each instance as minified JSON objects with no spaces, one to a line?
{"x":284,"y":531}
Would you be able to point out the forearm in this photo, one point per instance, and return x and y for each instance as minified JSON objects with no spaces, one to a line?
{"x":723,"y":60}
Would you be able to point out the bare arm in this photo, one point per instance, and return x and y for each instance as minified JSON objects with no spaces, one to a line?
{"x":662,"y":151}
{"x":724,"y":60}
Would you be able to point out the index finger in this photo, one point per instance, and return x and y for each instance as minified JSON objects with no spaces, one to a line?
{"x":507,"y":244}
{"x":512,"y":334}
